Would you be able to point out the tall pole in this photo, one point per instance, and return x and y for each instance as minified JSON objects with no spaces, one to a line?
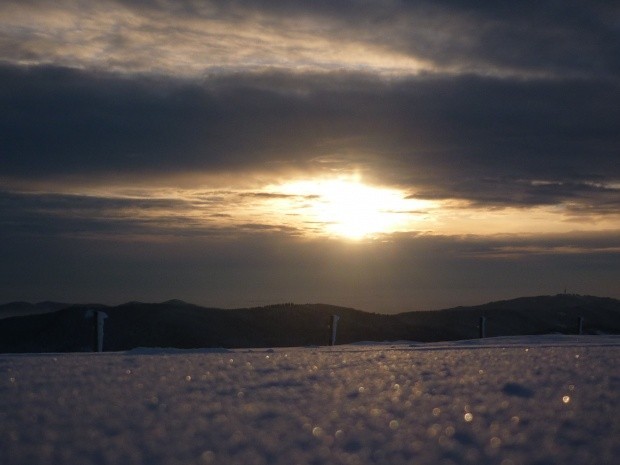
{"x":482,"y":327}
{"x":334,"y":325}
{"x":95,"y":316}
{"x":98,"y":318}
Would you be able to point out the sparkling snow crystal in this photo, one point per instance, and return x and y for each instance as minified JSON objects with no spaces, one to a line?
{"x":508,"y":402}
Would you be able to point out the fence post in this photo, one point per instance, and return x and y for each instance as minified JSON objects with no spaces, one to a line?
{"x":482,"y":327}
{"x":334,"y":328}
{"x":98,"y":317}
{"x":95,"y":316}
{"x":580,"y":325}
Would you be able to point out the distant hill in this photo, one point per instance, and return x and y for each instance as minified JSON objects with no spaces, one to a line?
{"x":55,"y":327}
{"x":26,"y":308}
{"x":527,"y":315}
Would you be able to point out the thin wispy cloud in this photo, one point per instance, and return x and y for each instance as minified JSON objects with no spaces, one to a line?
{"x":390,"y":38}
{"x":188,"y":39}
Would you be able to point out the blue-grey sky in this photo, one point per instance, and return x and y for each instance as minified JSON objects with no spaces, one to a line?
{"x":386,"y":155}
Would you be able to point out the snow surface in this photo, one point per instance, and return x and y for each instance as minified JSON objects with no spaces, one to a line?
{"x":508,"y":401}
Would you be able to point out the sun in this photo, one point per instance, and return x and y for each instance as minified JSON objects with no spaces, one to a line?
{"x":351,"y":209}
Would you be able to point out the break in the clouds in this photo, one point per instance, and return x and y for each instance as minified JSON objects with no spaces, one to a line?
{"x":488,"y":133}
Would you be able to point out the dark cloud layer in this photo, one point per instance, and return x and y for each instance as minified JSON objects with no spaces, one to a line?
{"x":418,"y":272}
{"x":482,"y":139}
{"x":576,"y":37}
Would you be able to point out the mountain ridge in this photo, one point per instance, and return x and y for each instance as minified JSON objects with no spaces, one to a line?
{"x":174,"y":323}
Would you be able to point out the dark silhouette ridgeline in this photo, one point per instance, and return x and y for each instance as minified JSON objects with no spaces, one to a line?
{"x":50,"y":327}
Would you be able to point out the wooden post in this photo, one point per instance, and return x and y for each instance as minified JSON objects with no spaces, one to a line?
{"x":482,"y":327}
{"x":334,"y":328}
{"x":98,"y":318}
{"x":95,"y":316}
{"x":580,"y":325}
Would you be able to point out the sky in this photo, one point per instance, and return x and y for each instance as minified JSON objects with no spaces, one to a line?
{"x":384,"y":155}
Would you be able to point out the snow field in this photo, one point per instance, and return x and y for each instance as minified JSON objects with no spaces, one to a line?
{"x":523,"y":402}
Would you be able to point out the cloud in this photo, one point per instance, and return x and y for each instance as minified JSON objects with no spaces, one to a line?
{"x":489,"y":141}
{"x":148,"y":215}
{"x":170,"y":215}
{"x":405,"y":273}
{"x":186,"y":38}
